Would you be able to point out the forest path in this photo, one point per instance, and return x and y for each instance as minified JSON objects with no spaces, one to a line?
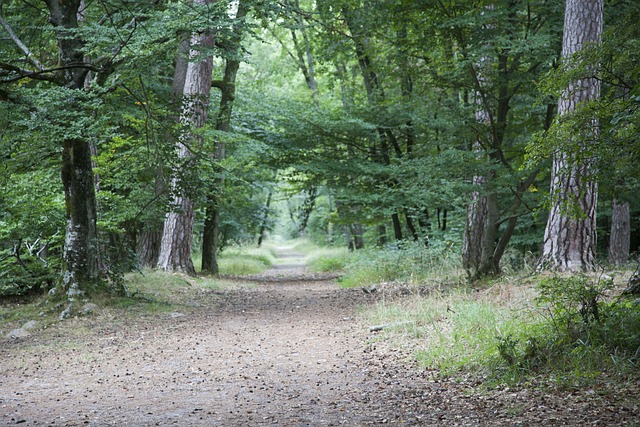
{"x":290,"y":350}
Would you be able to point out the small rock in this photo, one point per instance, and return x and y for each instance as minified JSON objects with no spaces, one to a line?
{"x":89,"y":308}
{"x":176,"y":314}
{"x":30,"y":325}
{"x":66,"y":313}
{"x":18,"y":333}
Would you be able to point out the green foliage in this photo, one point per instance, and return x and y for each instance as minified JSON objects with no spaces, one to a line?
{"x":31,"y":230}
{"x":409,"y":262}
{"x":328,"y":259}
{"x":580,"y":334}
{"x":238,"y":261}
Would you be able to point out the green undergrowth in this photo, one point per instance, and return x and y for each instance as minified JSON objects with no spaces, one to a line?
{"x":241,"y":260}
{"x":238,"y":261}
{"x":328,"y":259}
{"x":304,"y":246}
{"x":568,"y":331}
{"x":321,"y":258}
{"x":408,"y":262}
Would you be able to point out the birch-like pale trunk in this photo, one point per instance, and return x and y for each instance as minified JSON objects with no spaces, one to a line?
{"x":570,"y":234}
{"x":150,"y":235}
{"x":177,"y":235}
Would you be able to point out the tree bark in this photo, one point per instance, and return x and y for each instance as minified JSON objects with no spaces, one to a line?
{"x":177,"y":235}
{"x":80,"y":252}
{"x":474,"y":228}
{"x":397,"y":226}
{"x":357,"y":233}
{"x":620,"y":238}
{"x":80,"y":244}
{"x":570,"y":233}
{"x":150,"y":235}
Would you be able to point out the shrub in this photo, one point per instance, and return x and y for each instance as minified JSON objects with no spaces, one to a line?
{"x":582,"y":331}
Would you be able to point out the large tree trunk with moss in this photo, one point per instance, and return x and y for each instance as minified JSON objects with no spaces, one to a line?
{"x":620,"y":238}
{"x":177,"y":236}
{"x":80,"y":244}
{"x":80,"y":247}
{"x":570,"y":234}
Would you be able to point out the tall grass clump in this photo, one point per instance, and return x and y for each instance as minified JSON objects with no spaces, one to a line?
{"x":565,"y":330}
{"x":409,"y":262}
{"x":458,"y":329}
{"x":238,"y":261}
{"x":328,"y":259}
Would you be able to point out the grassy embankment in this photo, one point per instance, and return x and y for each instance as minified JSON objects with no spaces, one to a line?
{"x":145,"y":292}
{"x":519,"y":328}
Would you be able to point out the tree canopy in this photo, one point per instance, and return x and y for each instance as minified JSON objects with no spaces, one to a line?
{"x":378,"y":121}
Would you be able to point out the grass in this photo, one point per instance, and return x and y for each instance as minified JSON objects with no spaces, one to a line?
{"x":455,"y":329}
{"x":239,"y":261}
{"x":505,"y":332}
{"x":328,"y":259}
{"x":410,"y":263}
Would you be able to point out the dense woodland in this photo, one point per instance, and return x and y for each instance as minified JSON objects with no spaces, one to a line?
{"x":134,"y":134}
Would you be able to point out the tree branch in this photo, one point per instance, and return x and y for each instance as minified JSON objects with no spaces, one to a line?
{"x":20,"y":44}
{"x":42,"y":74}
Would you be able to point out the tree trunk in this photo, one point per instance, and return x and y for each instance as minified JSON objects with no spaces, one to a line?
{"x":382,"y":235}
{"x":210,"y":236}
{"x":212,"y":215}
{"x":303,"y":53}
{"x":357,"y":233}
{"x":80,"y":252}
{"x":80,"y":244}
{"x":570,"y":234}
{"x":150,"y":235}
{"x":306,"y":209}
{"x":265,"y":218}
{"x":397,"y":226}
{"x":620,"y":239}
{"x":177,"y":236}
{"x":211,"y":230}
{"x":474,"y":228}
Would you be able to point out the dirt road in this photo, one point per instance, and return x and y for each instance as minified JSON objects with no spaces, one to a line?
{"x":291,"y":350}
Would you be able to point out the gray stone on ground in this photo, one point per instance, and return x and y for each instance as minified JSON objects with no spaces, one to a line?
{"x":18,"y":333}
{"x":30,"y":325}
{"x":89,"y":308}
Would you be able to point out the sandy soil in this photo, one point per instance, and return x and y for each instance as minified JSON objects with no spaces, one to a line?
{"x":289,"y":351}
